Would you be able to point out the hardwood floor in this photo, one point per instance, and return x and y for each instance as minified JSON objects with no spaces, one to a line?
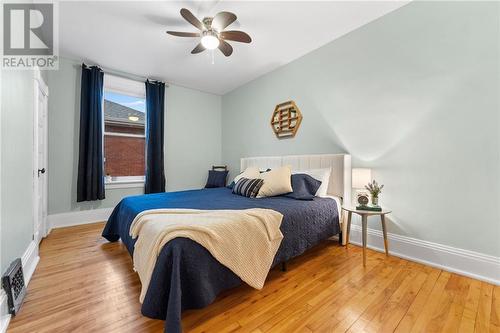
{"x":85,"y":284}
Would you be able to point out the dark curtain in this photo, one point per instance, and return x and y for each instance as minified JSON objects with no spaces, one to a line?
{"x":155,"y":111}
{"x":90,"y":184}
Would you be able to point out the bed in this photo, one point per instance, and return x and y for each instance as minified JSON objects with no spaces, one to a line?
{"x":186,"y":276}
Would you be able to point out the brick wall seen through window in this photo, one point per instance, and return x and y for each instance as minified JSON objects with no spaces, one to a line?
{"x":124,"y":136}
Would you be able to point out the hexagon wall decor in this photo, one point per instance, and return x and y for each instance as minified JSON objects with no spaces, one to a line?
{"x":286,"y":120}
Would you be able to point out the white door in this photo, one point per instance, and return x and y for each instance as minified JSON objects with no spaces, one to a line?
{"x":40,"y":158}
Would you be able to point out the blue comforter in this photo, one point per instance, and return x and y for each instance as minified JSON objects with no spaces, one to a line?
{"x":186,"y":276}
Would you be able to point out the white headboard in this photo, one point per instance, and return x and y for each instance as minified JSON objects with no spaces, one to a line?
{"x":340,"y":179}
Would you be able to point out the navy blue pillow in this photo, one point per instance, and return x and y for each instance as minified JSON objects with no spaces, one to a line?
{"x":304,"y":187}
{"x":216,"y":179}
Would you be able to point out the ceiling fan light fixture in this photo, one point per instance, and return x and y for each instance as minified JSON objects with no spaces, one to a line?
{"x":212,"y":32}
{"x":210,"y":41}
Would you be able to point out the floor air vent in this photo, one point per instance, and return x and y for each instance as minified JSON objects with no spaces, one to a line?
{"x":13,"y":284}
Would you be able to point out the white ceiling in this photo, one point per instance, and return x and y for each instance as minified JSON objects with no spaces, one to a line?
{"x":130,"y":36}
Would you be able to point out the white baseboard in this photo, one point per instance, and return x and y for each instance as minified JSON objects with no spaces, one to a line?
{"x":76,"y":218}
{"x":29,"y":261}
{"x":469,"y":263}
{"x":4,"y":312}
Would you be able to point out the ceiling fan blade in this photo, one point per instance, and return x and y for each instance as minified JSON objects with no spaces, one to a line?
{"x":188,"y":16}
{"x":199,"y":48}
{"x":183,"y":34}
{"x":237,"y":36}
{"x":225,"y":48}
{"x":222,"y":20}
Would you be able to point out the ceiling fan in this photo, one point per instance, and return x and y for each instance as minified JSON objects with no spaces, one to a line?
{"x":212,"y":32}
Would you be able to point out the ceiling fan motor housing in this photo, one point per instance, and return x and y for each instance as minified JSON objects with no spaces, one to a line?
{"x":207,"y":22}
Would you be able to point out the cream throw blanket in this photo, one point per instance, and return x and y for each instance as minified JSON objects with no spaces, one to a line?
{"x":245,"y":241}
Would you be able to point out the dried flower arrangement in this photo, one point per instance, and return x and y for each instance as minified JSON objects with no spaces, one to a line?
{"x":375,"y":189}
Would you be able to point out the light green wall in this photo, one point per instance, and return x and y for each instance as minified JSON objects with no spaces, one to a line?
{"x":413,"y":95}
{"x":192,"y":140}
{"x":192,"y":137}
{"x":16,"y":160}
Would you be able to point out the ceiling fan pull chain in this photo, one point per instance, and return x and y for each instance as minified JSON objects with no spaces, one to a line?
{"x":213,"y":56}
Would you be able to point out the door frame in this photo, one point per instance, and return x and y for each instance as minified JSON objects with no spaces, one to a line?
{"x":39,"y":86}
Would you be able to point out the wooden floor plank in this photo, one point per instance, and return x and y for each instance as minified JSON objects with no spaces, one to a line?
{"x":495,"y":310}
{"x":484,"y":309}
{"x":468,"y":321}
{"x":443,"y":305}
{"x":392,"y":311}
{"x":455,"y":312}
{"x":339,"y":306}
{"x":85,"y":284}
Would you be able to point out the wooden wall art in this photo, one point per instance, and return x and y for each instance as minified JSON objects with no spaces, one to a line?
{"x":286,"y":120}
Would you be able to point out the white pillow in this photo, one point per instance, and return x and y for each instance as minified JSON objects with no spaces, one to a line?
{"x":276,"y":182}
{"x":323,"y":175}
{"x":250,"y":173}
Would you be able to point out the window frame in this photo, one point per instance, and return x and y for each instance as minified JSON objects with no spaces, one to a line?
{"x":127,"y":87}
{"x":125,"y":182}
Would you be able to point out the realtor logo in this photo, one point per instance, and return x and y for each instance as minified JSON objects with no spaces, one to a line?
{"x":29,"y":36}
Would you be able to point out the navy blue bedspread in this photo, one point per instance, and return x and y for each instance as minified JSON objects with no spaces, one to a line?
{"x":186,"y":276}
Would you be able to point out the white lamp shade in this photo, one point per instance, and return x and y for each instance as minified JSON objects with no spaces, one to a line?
{"x":361,"y":177}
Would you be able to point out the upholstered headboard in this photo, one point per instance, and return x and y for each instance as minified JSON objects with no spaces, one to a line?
{"x":340,"y":178}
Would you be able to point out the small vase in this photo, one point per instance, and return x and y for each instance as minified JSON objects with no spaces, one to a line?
{"x":375,"y":201}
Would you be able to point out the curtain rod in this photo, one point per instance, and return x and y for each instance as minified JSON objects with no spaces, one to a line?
{"x":129,"y":76}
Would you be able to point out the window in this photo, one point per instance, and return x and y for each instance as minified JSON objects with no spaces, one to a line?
{"x":124,"y":133}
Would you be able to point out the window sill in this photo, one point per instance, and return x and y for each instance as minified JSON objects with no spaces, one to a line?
{"x":116,"y":184}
